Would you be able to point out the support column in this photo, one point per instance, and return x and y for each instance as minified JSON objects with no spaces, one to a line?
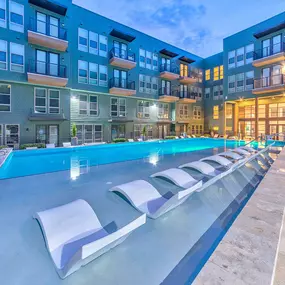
{"x":225,"y":118}
{"x":256,"y":118}
{"x":235,"y":119}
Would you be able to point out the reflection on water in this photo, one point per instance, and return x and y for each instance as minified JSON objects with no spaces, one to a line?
{"x":78,"y":167}
{"x":153,"y":159}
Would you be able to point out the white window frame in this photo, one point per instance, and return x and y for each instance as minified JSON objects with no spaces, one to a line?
{"x":83,"y":109}
{"x":241,"y":77}
{"x":145,"y":114}
{"x":119,"y":100}
{"x":80,"y":34}
{"x":7,"y":135}
{"x":3,"y":5}
{"x":249,"y":87}
{"x":248,"y":49}
{"x":89,"y":106}
{"x":102,"y":133}
{"x":10,"y":105}
{"x":155,"y":58}
{"x":148,"y":81}
{"x":4,"y":43}
{"x":49,"y":107}
{"x":232,"y":54}
{"x":240,"y":52}
{"x":231,"y":79}
{"x":142,"y":79}
{"x":104,"y":40}
{"x":46,"y":101}
{"x":103,"y":83}
{"x":198,"y":111}
{"x":14,"y":26}
{"x":142,"y":53}
{"x":207,"y":91}
{"x":148,"y":55}
{"x":95,"y":65}
{"x":93,"y":37}
{"x":15,"y":64}
{"x":154,"y":81}
{"x":87,"y":72}
{"x":163,"y":114}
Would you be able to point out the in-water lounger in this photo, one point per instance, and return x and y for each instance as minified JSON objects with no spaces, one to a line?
{"x":146,"y":199}
{"x":74,"y":236}
{"x":218,"y":159}
{"x":203,"y":167}
{"x":241,"y":151}
{"x":230,"y":154}
{"x":178,"y":177}
{"x":248,"y":149}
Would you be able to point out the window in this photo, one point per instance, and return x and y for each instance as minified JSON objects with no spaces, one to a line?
{"x":54,"y":102}
{"x":82,"y":39}
{"x":216,"y":112}
{"x":82,"y":71}
{"x":163,"y":111}
{"x":154,"y":85}
{"x":93,"y":105}
{"x":142,"y":83}
{"x":53,"y":27}
{"x":197,"y":112}
{"x":240,"y":82}
{"x":216,"y":92}
{"x":249,"y":53}
{"x":93,"y":73}
{"x":118,"y":107}
{"x":148,"y":60}
{"x":249,"y":112}
{"x":93,"y":43}
{"x":249,"y":80}
{"x":3,"y":13}
{"x":98,"y":133}
{"x":231,"y":59}
{"x":16,"y":17}
{"x":142,"y":58}
{"x":103,"y":76}
{"x":216,"y":128}
{"x":1,"y":134}
{"x":17,"y":53}
{"x":12,"y":135}
{"x":83,"y":104}
{"x":231,"y":83}
{"x":5,"y":98}
{"x":183,"y":69}
{"x":148,"y":84}
{"x":143,"y":109}
{"x":240,"y":56}
{"x":103,"y":45}
{"x":261,"y":111}
{"x":3,"y":55}
{"x":138,"y":129}
{"x":216,"y":73}
{"x":183,"y":111}
{"x":208,"y":74}
{"x":155,"y":62}
{"x":221,"y":91}
{"x":88,"y":105}
{"x":221,"y":71}
{"x":89,"y":133}
{"x":207,"y":93}
{"x":229,"y":111}
{"x":40,"y":100}
{"x":277,"y":110}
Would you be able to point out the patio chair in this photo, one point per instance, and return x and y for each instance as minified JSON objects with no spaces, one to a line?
{"x":74,"y":236}
{"x":50,"y":145}
{"x":179,"y":178}
{"x":201,"y":167}
{"x":66,"y":144}
{"x":146,"y":199}
{"x":130,"y":140}
{"x":216,"y":136}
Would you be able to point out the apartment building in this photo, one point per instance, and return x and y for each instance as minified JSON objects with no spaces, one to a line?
{"x":61,"y":64}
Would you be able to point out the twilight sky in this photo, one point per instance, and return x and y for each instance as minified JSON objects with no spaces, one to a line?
{"x":198,"y":26}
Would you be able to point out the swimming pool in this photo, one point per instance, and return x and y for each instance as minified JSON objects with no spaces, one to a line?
{"x":31,"y":162}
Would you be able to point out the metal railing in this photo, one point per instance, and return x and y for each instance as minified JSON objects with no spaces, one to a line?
{"x":123,"y":54}
{"x":122,"y":83}
{"x":187,"y":95}
{"x":268,"y":51}
{"x":169,"y":68}
{"x":45,"y":68}
{"x":269,"y":81}
{"x":47,"y":29}
{"x":164,"y":91}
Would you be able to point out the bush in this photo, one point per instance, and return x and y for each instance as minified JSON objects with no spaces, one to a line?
{"x":38,"y":145}
{"x":170,"y":138}
{"x":119,"y":140}
{"x":3,"y":146}
{"x":206,"y":135}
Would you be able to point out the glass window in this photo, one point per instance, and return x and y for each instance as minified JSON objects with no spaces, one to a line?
{"x":12,"y":135}
{"x":54,"y":101}
{"x":216,"y":92}
{"x":229,"y":111}
{"x":3,"y":13}
{"x":16,"y":17}
{"x":3,"y":55}
{"x":17,"y":53}
{"x":231,"y":59}
{"x":83,"y":104}
{"x":103,"y":45}
{"x":53,"y":26}
{"x":148,"y":84}
{"x":276,"y":41}
{"x":93,"y":43}
{"x":93,"y":73}
{"x":82,"y":39}
{"x":208,"y":74}
{"x":216,"y":73}
{"x":240,"y":82}
{"x":93,"y":105}
{"x":221,"y":91}
{"x":5,"y":98}
{"x":148,"y":60}
{"x":207,"y":93}
{"x":142,"y":58}
{"x":249,"y":80}
{"x":98,"y":133}
{"x":82,"y":71}
{"x":142,"y":83}
{"x":41,"y":23}
{"x":183,"y":111}
{"x":240,"y":56}
{"x":155,"y":61}
{"x":118,"y":107}
{"x":231,"y":84}
{"x":183,"y":69}
{"x":40,"y":100}
{"x":221,"y":71}
{"x":103,"y":76}
{"x":261,"y":111}
{"x":143,"y":109}
{"x":197,"y":112}
{"x":249,"y":49}
{"x":163,"y":111}
{"x":247,"y":112}
{"x":154,"y":84}
{"x":216,"y":112}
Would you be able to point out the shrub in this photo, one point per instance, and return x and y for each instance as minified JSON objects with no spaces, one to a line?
{"x":119,"y":140}
{"x":38,"y":145}
{"x":3,"y":146}
{"x":206,"y":135}
{"x":74,"y":130}
{"x":170,"y":138}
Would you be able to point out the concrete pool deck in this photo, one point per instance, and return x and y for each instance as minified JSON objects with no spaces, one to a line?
{"x":253,"y":250}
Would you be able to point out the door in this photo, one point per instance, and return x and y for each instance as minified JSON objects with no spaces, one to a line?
{"x":41,"y":134}
{"x":120,"y":50}
{"x":266,"y":48}
{"x":166,"y":87}
{"x":53,"y":27}
{"x":183,"y":69}
{"x":88,"y":133}
{"x":165,"y":64}
{"x":160,"y":132}
{"x":41,"y":57}
{"x":276,"y":75}
{"x":53,"y":64}
{"x":265,"y":77}
{"x":276,"y":44}
{"x":117,"y":131}
{"x":53,"y":134}
{"x":41,"y":23}
{"x":281,"y":131}
{"x":12,"y":135}
{"x":183,"y":91}
{"x":165,"y":131}
{"x":120,"y":78}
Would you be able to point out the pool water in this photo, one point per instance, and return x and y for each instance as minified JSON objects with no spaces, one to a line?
{"x":31,"y":162}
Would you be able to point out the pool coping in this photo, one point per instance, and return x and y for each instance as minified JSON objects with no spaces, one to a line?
{"x":10,"y":150}
{"x":251,"y":251}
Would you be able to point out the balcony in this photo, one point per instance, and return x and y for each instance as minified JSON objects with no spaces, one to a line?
{"x":47,"y":74}
{"x":269,"y":55}
{"x":187,"y":77}
{"x":47,"y":35}
{"x":122,"y":87}
{"x":187,"y":97}
{"x":169,"y":72}
{"x":122,"y":58}
{"x":168,"y":95}
{"x":270,"y":84}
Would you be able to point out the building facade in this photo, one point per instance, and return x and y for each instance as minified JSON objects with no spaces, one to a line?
{"x":61,"y":64}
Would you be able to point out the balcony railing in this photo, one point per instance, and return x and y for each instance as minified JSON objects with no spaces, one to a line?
{"x":268,"y":51}
{"x":187,"y":95}
{"x":49,"y":69}
{"x":169,"y":68}
{"x":168,"y":92}
{"x":271,"y":81}
{"x":122,"y":83}
{"x":122,"y":54}
{"x":47,"y":29}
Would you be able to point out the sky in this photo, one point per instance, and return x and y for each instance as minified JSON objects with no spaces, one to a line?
{"x":198,"y":26}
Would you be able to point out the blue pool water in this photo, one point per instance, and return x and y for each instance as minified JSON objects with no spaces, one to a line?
{"x":31,"y":162}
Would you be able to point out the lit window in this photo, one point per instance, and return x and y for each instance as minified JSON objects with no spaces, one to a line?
{"x":221,"y":71}
{"x":163,"y":111}
{"x":183,"y":69}
{"x":215,"y":128}
{"x":261,"y":111}
{"x":16,"y":17}
{"x":208,"y":74}
{"x":197,"y":112}
{"x":229,"y":111}
{"x":216,"y":73}
{"x":216,"y":112}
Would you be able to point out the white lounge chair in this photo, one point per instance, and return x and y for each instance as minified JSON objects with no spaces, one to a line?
{"x":140,"y":140}
{"x":231,"y":155}
{"x":203,"y":167}
{"x":249,"y":149}
{"x":146,"y":199}
{"x":241,"y":151}
{"x":31,"y":148}
{"x":179,"y":178}
{"x":50,"y":145}
{"x":66,"y":144}
{"x":130,"y":140}
{"x":182,"y":137}
{"x":193,"y":136}
{"x":218,"y":159}
{"x":216,"y":136}
{"x":74,"y":236}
